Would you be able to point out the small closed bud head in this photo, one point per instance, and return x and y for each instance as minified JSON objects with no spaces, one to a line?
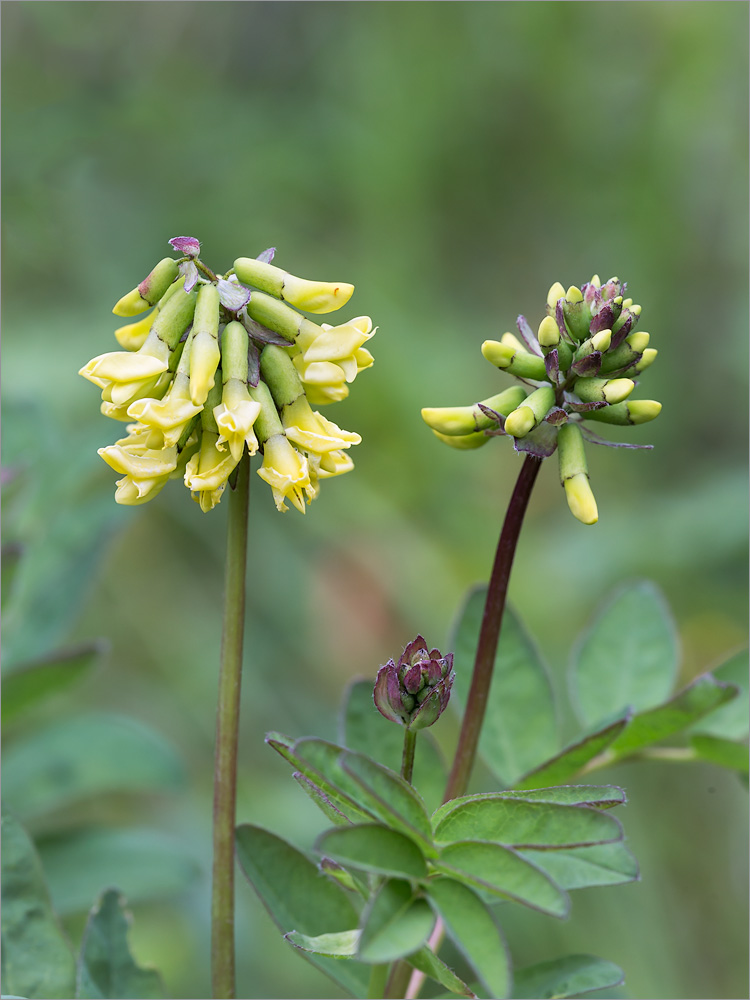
{"x":580,"y":499}
{"x":415,"y":691}
{"x":574,"y":294}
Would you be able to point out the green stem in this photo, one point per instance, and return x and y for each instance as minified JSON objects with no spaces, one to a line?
{"x":407,"y":760}
{"x":227,"y":728}
{"x":489,"y":632}
{"x":378,"y":977}
{"x":398,"y":980}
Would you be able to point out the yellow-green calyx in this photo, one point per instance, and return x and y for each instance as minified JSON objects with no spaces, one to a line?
{"x":224,"y":365}
{"x":582,"y":365}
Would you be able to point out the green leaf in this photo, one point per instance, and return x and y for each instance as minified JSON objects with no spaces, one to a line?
{"x":566,"y":977}
{"x":318,"y":761}
{"x":732,"y":721}
{"x":726,"y":753}
{"x":578,"y":867}
{"x":144,"y":864}
{"x":627,"y":657}
{"x":603,"y":796}
{"x":521,"y":823}
{"x":300,"y":898}
{"x":695,"y":701}
{"x":520,"y":727}
{"x":342,"y":944}
{"x":373,"y":848}
{"x":574,"y":757}
{"x":473,"y":930}
{"x":321,"y":800}
{"x":40,"y":679}
{"x":501,"y":871}
{"x":365,"y":730}
{"x":83,"y":756}
{"x":392,"y":799}
{"x":428,"y":962}
{"x":106,"y":968}
{"x":394,"y":924}
{"x":37,"y":959}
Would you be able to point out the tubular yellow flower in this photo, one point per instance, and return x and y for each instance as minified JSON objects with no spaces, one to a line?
{"x":312,"y":296}
{"x":235,"y":416}
{"x":209,"y":468}
{"x":132,"y":336}
{"x":311,"y":431}
{"x":140,"y":454}
{"x":132,"y":492}
{"x":328,"y":357}
{"x":287,"y":473}
{"x":116,"y":367}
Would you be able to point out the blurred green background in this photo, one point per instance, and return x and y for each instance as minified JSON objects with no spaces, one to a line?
{"x":451,"y":160}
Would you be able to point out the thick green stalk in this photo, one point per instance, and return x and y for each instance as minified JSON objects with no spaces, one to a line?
{"x":489,"y":632}
{"x":400,"y":973}
{"x":227,"y":728}
{"x":407,"y":759}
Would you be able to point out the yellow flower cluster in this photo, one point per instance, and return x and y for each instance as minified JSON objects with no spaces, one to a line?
{"x":225,"y":364}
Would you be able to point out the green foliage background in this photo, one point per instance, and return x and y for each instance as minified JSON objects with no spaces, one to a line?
{"x":452,"y":160}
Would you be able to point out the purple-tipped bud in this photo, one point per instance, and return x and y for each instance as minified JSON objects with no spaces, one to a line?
{"x":415,"y":691}
{"x":187,"y":245}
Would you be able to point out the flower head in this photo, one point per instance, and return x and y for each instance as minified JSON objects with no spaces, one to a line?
{"x":190,"y":377}
{"x":581,"y":365}
{"x":415,"y":691}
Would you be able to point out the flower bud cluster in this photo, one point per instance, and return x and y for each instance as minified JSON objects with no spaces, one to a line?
{"x":582,"y":365}
{"x":415,"y":691}
{"x":223,"y":365}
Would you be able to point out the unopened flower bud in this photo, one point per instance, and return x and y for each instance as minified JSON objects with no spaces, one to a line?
{"x":609,"y":390}
{"x":312,"y":296}
{"x":150,"y":290}
{"x":633,"y":411}
{"x":574,"y":474}
{"x":519,"y":363}
{"x":465,"y":420}
{"x":415,"y":691}
{"x":555,"y":293}
{"x":531,"y":412}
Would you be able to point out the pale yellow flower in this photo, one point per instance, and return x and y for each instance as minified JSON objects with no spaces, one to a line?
{"x":235,"y":416}
{"x":169,"y":415}
{"x":329,"y":357}
{"x":140,"y":455}
{"x":286,"y":472}
{"x":311,"y":431}
{"x":132,"y":336}
{"x":207,"y":471}
{"x":131,"y":491}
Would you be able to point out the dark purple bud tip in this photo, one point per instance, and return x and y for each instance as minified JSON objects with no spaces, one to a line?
{"x":414,"y":691}
{"x":267,"y":256}
{"x":186,"y":244}
{"x":232,"y":295}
